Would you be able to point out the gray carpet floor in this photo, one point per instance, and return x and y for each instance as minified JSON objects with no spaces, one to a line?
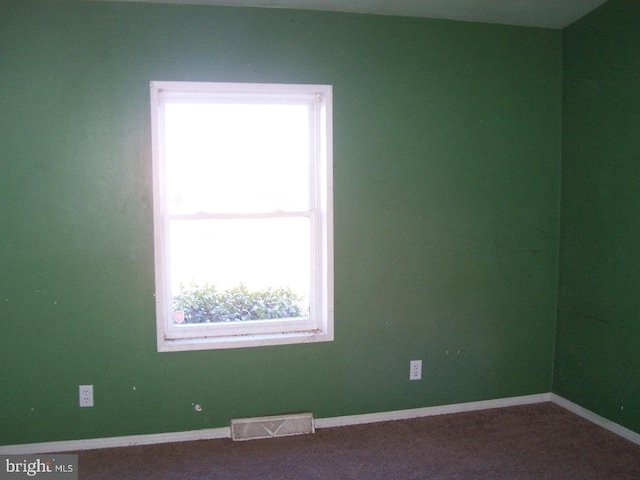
{"x":541,"y":441}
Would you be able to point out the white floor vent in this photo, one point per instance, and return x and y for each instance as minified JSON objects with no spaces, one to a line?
{"x":268,"y":427}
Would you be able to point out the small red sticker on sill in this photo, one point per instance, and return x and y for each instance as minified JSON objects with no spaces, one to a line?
{"x":178,"y":316}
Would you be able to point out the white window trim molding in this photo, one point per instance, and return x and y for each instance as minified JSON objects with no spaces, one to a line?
{"x":251,"y":334}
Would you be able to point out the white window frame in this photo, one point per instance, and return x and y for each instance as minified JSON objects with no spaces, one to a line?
{"x":319,"y":326}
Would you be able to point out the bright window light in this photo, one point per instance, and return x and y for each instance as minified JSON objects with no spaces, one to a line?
{"x":243,"y":214}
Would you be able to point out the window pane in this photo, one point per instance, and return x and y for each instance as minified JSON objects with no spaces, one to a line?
{"x":242,"y":210}
{"x":258,"y":253}
{"x":226,"y":158}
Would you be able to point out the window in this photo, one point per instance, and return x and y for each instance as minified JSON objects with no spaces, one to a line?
{"x":242,"y":184}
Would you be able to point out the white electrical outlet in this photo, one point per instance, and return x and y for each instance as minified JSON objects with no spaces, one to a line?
{"x":415,"y":369}
{"x":86,"y":395}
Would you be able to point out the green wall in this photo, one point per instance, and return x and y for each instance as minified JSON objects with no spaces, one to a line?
{"x":598,"y":344}
{"x":446,"y":157}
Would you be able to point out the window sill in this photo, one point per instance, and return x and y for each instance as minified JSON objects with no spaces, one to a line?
{"x":242,"y":341}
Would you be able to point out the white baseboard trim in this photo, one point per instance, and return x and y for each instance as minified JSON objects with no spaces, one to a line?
{"x":597,"y":419}
{"x":225,"y":432}
{"x":431,"y":411}
{"x":111,"y":442}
